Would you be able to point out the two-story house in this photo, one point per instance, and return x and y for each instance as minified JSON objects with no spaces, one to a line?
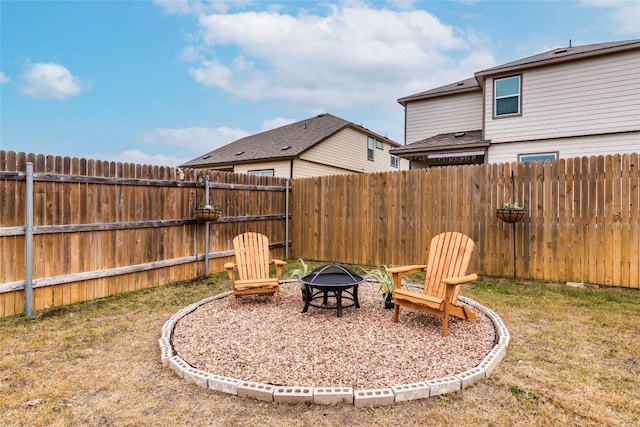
{"x":568,"y":102}
{"x":321,"y":145}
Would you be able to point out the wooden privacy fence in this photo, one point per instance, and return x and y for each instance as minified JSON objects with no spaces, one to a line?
{"x":101,"y":228}
{"x":582,"y":222}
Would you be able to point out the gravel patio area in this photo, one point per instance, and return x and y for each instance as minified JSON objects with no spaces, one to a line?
{"x":264,"y":343}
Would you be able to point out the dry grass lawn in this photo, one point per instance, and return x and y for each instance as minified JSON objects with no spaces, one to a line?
{"x":574,"y":359}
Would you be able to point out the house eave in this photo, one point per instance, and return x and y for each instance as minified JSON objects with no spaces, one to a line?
{"x":440,"y":149}
{"x":405,"y":100}
{"x":240,"y":162}
{"x":543,"y":62}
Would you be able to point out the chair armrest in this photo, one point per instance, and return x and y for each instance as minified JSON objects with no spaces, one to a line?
{"x":279,"y":265}
{"x":455,"y":281}
{"x":398,"y":272}
{"x":452,"y":283}
{"x":230,"y":266}
{"x":407,"y":269}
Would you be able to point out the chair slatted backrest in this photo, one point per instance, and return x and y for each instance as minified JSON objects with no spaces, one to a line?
{"x":252,"y":255}
{"x":449,"y":256}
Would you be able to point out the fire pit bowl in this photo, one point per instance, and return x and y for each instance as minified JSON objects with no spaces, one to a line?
{"x":333,"y":279}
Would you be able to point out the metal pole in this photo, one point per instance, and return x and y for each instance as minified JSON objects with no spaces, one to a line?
{"x":28,"y":286}
{"x":514,"y":248}
{"x":286,"y":221}
{"x":206,"y":229}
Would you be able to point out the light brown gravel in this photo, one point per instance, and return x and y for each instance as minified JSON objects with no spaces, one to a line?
{"x":364,"y":349}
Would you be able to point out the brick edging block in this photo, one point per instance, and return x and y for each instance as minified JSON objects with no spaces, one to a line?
{"x":283,"y":394}
{"x":256,"y":390}
{"x":373,"y":397}
{"x":413,"y":391}
{"x":224,"y":384}
{"x":333,"y":395}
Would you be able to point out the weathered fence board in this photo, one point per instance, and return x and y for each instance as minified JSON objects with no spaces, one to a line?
{"x":102,"y":228}
{"x":582,"y":222}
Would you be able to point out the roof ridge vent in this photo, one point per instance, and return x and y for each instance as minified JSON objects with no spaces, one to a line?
{"x":561,"y":50}
{"x":460,"y":84}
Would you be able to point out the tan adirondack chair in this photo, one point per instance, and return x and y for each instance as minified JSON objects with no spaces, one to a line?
{"x":252,"y":263}
{"x":449,"y":256}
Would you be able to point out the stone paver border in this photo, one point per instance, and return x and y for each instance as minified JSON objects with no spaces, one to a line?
{"x":332,"y":395}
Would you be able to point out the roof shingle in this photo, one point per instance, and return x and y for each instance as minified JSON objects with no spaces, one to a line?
{"x":298,"y":136}
{"x":444,"y":141}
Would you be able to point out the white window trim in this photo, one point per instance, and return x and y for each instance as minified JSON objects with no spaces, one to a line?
{"x":371,"y":146}
{"x":261,"y":172}
{"x":555,"y":155}
{"x":495,"y":98}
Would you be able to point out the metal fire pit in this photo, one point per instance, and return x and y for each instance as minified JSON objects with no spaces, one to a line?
{"x":333,"y":279}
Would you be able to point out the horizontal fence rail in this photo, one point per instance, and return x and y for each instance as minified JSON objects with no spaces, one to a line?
{"x":101,"y":228}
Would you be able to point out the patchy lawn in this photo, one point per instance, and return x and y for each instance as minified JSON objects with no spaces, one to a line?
{"x":574,"y":359}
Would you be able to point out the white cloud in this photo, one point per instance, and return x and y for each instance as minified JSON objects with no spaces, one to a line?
{"x":51,"y":81}
{"x":276,"y":123}
{"x":138,"y":157}
{"x":4,"y":78}
{"x":624,"y":14}
{"x":186,"y":7}
{"x":195,"y":140}
{"x":333,"y":61}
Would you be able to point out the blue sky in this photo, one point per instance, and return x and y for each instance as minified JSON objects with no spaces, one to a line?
{"x":162,"y":82}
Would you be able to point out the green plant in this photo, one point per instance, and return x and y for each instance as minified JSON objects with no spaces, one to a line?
{"x":207,"y":207}
{"x":384,"y":279}
{"x":300,"y":272}
{"x":512,"y":206}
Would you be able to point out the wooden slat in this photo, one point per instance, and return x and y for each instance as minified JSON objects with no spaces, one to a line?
{"x":616,"y":267}
{"x":634,"y":220}
{"x":549,"y":218}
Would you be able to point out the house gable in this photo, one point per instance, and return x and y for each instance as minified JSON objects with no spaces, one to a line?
{"x":347,"y":150}
{"x":325,"y":144}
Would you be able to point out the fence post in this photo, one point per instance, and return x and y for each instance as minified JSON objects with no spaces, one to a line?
{"x":206,"y":229}
{"x":286,"y":221}
{"x":28,"y":236}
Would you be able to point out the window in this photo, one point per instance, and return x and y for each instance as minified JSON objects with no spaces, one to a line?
{"x":535,"y":157}
{"x":507,"y":96}
{"x":379,"y":145}
{"x":261,"y":172}
{"x":395,"y":161}
{"x":370,"y":146}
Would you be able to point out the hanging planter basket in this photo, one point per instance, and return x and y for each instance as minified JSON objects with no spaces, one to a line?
{"x":511,"y":215}
{"x":207,"y":215}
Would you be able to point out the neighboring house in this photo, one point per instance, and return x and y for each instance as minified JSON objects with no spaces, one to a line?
{"x":321,"y":145}
{"x":567,"y":102}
